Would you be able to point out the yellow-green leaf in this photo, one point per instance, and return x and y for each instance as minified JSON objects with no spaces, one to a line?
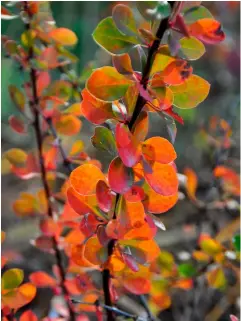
{"x":191,"y":93}
{"x":16,"y":156}
{"x":192,"y":48}
{"x":12,"y":278}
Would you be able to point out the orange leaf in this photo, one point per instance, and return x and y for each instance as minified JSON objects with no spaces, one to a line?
{"x":156,"y":203}
{"x":94,"y":110}
{"x":77,"y":255}
{"x":68,"y":125}
{"x":43,"y":81}
{"x":63,"y":36}
{"x":207,"y":30}
{"x":19,"y":297}
{"x":191,"y":182}
{"x":74,"y":237}
{"x":92,"y":247}
{"x":135,"y":194}
{"x":176,"y":72}
{"x":231,"y":180}
{"x":162,"y":178}
{"x":41,"y":279}
{"x":85,"y":178}
{"x":80,"y":204}
{"x":158,"y":149}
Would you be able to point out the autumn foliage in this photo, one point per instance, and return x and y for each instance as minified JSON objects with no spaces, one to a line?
{"x":108,"y":220}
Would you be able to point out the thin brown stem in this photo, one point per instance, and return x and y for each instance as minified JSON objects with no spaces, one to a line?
{"x":39,"y":139}
{"x":163,"y":27}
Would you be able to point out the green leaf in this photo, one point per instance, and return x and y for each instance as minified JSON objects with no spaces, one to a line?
{"x":196,"y":13}
{"x":108,"y":36}
{"x":192,"y":48}
{"x":107,"y":84}
{"x":124,"y":19}
{"x":147,"y":9}
{"x":164,"y":9}
{"x":17,"y":97}
{"x":104,"y":140}
{"x":236,"y":242}
{"x":186,"y":270}
{"x":191,"y":93}
{"x":12,"y":278}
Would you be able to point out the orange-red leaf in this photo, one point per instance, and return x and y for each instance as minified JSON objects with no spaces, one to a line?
{"x":41,"y":279}
{"x":17,"y":124}
{"x":162,"y":178}
{"x":28,"y":316}
{"x":158,"y":149}
{"x":207,"y":30}
{"x":156,"y":203}
{"x":85,"y":178}
{"x":176,"y":72}
{"x":94,"y":110}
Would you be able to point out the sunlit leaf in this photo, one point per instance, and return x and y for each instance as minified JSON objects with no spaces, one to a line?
{"x":74,"y":109}
{"x":111,"y":39}
{"x":156,"y":203}
{"x":124,"y":19}
{"x":207,"y":30}
{"x":158,"y":149}
{"x":230,"y":179}
{"x":176,"y":72}
{"x":162,"y":59}
{"x":77,"y":255}
{"x":162,"y":178}
{"x":92,"y":250}
{"x":43,"y":82}
{"x":63,"y":36}
{"x":191,"y":93}
{"x":120,"y":177}
{"x":12,"y":278}
{"x":107,"y":84}
{"x":19,"y":297}
{"x":85,"y":177}
{"x":165,"y":261}
{"x":192,"y":48}
{"x":103,"y":139}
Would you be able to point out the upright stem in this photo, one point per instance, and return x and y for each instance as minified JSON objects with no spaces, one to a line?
{"x":164,"y":25}
{"x":38,"y":133}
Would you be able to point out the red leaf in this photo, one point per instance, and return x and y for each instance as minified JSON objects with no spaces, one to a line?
{"x":120,"y":177}
{"x":28,"y":316}
{"x":127,"y":146}
{"x":17,"y":124}
{"x":104,"y":196}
